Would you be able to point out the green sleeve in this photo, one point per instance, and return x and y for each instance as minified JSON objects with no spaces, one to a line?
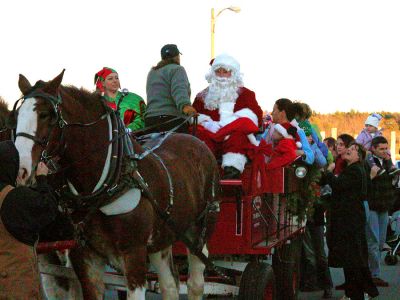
{"x":136,"y":103}
{"x":330,"y":158}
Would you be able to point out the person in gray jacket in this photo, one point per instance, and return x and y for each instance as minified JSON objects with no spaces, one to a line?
{"x":168,"y":93}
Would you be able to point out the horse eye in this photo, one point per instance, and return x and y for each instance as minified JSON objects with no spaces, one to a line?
{"x":43,"y":115}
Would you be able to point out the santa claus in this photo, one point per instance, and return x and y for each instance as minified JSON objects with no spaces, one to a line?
{"x":228,"y":115}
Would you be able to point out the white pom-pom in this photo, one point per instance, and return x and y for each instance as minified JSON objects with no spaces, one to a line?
{"x":299,"y":145}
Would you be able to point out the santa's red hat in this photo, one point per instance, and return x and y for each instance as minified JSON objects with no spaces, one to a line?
{"x":287,"y":126}
{"x":282,"y":129}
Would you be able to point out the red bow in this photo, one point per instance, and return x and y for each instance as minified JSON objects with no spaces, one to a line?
{"x":259,"y":175}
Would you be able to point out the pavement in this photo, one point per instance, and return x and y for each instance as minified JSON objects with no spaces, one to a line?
{"x":389,"y":273}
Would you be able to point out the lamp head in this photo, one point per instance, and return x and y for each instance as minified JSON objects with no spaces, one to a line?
{"x":236,"y":9}
{"x":300,"y":172}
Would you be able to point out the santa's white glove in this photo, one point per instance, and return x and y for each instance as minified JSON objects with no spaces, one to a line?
{"x":212,"y":126}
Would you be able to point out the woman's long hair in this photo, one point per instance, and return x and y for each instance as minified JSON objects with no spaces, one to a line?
{"x":288,"y":106}
{"x":360,"y":150}
{"x":164,"y":62}
{"x":346,"y":138}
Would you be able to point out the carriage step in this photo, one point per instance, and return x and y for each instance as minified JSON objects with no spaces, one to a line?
{"x":109,"y":278}
{"x":230,"y":182}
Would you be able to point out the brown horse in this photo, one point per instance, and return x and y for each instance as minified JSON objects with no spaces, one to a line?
{"x":181,"y":177}
{"x":5,"y":132}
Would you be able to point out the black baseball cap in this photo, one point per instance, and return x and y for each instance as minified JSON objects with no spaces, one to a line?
{"x":169,"y":51}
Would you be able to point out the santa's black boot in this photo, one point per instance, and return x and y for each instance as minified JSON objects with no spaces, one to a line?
{"x":231,"y":173}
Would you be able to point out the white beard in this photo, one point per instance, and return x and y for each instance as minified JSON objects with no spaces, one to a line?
{"x":221,"y":90}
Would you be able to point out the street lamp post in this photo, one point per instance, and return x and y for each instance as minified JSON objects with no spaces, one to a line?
{"x":213,"y":19}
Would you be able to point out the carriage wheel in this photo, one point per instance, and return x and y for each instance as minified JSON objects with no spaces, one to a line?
{"x":390,"y":259}
{"x":257,"y":282}
{"x":286,"y":265}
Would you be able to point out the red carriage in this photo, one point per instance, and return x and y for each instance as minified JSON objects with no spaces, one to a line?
{"x":251,"y":228}
{"x":256,"y":242}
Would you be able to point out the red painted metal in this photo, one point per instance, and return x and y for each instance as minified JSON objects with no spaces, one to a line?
{"x":251,"y":224}
{"x":59,"y":246}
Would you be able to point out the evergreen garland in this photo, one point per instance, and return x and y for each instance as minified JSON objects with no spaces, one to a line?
{"x":301,"y":202}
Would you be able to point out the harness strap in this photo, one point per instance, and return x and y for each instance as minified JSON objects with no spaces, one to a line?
{"x":42,"y":143}
{"x":4,"y":192}
{"x":174,"y":227}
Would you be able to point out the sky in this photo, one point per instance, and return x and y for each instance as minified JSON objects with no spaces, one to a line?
{"x":334,"y":55}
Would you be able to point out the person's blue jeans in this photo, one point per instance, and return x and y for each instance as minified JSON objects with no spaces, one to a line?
{"x":376,"y":230}
{"x":366,"y":207}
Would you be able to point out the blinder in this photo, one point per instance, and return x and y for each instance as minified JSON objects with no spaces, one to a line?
{"x":55,"y":118}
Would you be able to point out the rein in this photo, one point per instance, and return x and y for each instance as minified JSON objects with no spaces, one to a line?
{"x":166,"y":135}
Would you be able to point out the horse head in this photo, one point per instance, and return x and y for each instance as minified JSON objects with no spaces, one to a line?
{"x":35,"y":120}
{"x":64,"y":124}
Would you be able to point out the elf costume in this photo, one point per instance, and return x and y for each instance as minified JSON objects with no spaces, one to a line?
{"x":132,"y":106}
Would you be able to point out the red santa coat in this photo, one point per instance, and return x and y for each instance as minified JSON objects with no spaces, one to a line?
{"x":246,"y":106}
{"x":246,"y":100}
{"x":282,"y":154}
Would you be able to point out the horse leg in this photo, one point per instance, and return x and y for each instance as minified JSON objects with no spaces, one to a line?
{"x":195,"y":282}
{"x":135,"y":268}
{"x":89,"y":269}
{"x":138,"y":294}
{"x":167,"y":274}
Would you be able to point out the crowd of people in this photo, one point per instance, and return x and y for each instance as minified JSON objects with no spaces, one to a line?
{"x":356,"y":175}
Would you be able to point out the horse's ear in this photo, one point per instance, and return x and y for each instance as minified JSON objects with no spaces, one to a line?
{"x":53,"y":85}
{"x":24,"y":84}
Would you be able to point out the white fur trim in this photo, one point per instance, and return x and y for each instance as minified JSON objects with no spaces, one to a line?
{"x":299,"y":145}
{"x":295,"y":123}
{"x":281,"y":130}
{"x":124,"y":204}
{"x":227,"y":62}
{"x":226,"y":107}
{"x":203,"y":118}
{"x":252,"y":139}
{"x":225,"y":121}
{"x":247,"y":113}
{"x":236,"y":160}
{"x":226,"y":113}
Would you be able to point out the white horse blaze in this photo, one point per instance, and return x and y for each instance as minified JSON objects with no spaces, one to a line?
{"x":27,"y":123}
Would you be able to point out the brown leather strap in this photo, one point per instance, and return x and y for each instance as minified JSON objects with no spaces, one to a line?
{"x":4,"y":192}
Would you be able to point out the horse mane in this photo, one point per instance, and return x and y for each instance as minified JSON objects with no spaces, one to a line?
{"x":90,"y":100}
{"x":3,"y":112}
{"x":3,"y":107}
